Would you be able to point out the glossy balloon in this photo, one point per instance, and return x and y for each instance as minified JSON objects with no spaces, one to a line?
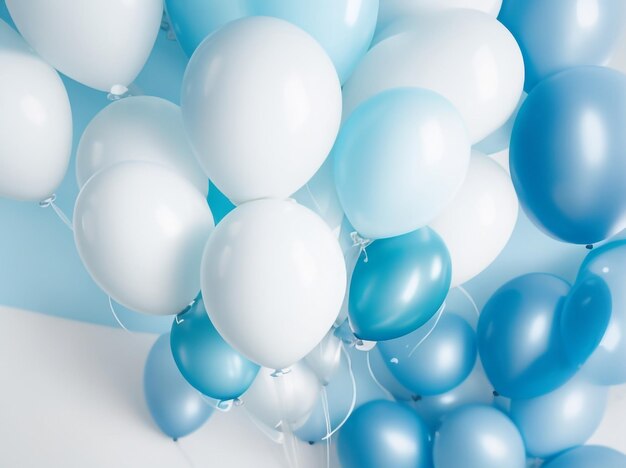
{"x":589,"y":456}
{"x":561,"y":34}
{"x":140,"y":229}
{"x":567,"y":152}
{"x":400,"y":287}
{"x":325,"y":358}
{"x":176,"y":407}
{"x":394,"y":169}
{"x":477,"y":436}
{"x":270,"y":81}
{"x":386,"y":379}
{"x":384,"y":433}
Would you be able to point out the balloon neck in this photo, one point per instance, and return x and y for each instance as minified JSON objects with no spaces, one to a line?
{"x":362,"y":243}
{"x":118,"y":92}
{"x":225,"y":405}
{"x":179,"y":318}
{"x":589,"y":246}
{"x":48,"y":201}
{"x":280,"y":372}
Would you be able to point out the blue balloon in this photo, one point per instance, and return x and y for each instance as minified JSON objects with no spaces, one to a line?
{"x":558,"y":34}
{"x":344,"y":28}
{"x":401,"y":285}
{"x":477,"y":436}
{"x":589,"y":456}
{"x":208,"y":363}
{"x":567,"y":154}
{"x":384,"y":433}
{"x":386,"y":379}
{"x":561,"y":419}
{"x":429,"y":364}
{"x":176,"y":407}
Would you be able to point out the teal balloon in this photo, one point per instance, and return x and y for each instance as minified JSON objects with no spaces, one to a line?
{"x":176,"y":407}
{"x":384,"y":433}
{"x":401,"y":285}
{"x":589,"y":456}
{"x":208,"y":363}
{"x":344,"y":28}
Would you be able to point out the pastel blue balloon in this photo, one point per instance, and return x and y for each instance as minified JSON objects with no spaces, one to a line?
{"x":176,"y":407}
{"x":403,"y":283}
{"x":343,"y":27}
{"x":384,"y":433}
{"x":589,"y":456}
{"x":429,"y":364}
{"x":561,"y":419}
{"x":386,"y":379}
{"x":477,"y":436}
{"x":208,"y":363}
{"x":558,"y":34}
{"x":567,"y":154}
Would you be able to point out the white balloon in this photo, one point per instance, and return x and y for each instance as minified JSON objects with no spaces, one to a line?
{"x":142,"y":128}
{"x":103,"y":44}
{"x":500,"y":140}
{"x":466,"y":56}
{"x":480,"y":220}
{"x":325,"y":358}
{"x":140,"y":229}
{"x":35,"y":122}
{"x":261,"y":102}
{"x":273,"y":280}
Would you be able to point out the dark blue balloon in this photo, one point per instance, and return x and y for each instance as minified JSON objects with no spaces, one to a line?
{"x":384,"y":433}
{"x":568,"y":154}
{"x":589,"y":456}
{"x":400,"y":287}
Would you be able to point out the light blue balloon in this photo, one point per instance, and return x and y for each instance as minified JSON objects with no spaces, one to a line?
{"x":589,"y":456}
{"x":477,"y":436}
{"x":386,"y":379}
{"x":430,"y":360}
{"x":384,"y":433}
{"x":343,"y":27}
{"x":176,"y":407}
{"x":561,"y":419}
{"x":558,"y":34}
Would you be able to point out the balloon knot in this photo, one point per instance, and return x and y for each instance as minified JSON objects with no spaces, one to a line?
{"x":589,"y":246}
{"x":495,"y":393}
{"x":118,"y":92}
{"x":361,"y":243}
{"x":280,"y":372}
{"x":48,"y":201}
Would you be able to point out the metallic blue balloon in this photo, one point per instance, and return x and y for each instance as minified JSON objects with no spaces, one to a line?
{"x":477,"y":436}
{"x":208,"y":363}
{"x":429,"y":364}
{"x":589,"y":456}
{"x":568,"y":154}
{"x":558,"y":34}
{"x":384,"y":433}
{"x":400,"y":287}
{"x":386,"y":379}
{"x":176,"y":407}
{"x":519,"y":337}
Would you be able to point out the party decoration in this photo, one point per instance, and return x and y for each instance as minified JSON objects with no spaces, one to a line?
{"x":273,"y":280}
{"x":403,"y":283}
{"x":386,"y":379}
{"x":325,"y":358}
{"x":405,"y":148}
{"x":101,"y":43}
{"x":270,"y":81}
{"x":35,"y":122}
{"x":140,"y":229}
{"x":384,"y":433}
{"x":466,"y":56}
{"x":588,"y":456}
{"x":567,"y":154}
{"x":138,"y":128}
{"x":176,"y":407}
{"x":469,"y":436}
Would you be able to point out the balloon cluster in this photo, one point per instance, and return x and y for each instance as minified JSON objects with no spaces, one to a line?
{"x":351,"y":144}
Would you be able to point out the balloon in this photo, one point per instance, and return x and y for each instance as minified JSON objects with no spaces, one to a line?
{"x":325,"y":358}
{"x":289,"y":397}
{"x":206,"y":360}
{"x":386,"y":379}
{"x":273,"y":280}
{"x":519,"y":340}
{"x":270,"y":81}
{"x":567,"y":152}
{"x":562,"y":34}
{"x":403,"y":283}
{"x":141,"y":128}
{"x":35,"y":122}
{"x":399,"y":160}
{"x":466,"y":56}
{"x":384,"y":433}
{"x":103,"y":44}
{"x":479,"y":222}
{"x":478,"y":436}
{"x":436,"y":362}
{"x":176,"y":407}
{"x":344,"y":28}
{"x":562,"y":419}
{"x":589,"y":456}
{"x":140,"y":229}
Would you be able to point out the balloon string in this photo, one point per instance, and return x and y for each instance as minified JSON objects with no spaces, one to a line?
{"x":184,"y":454}
{"x":272,"y":434}
{"x":290,"y":441}
{"x":353,"y":404}
{"x":470,"y":299}
{"x":317,"y":206}
{"x":50,"y":202}
{"x":369,"y":368}
{"x":432,"y":329}
{"x":361,"y":243}
{"x":117,"y":319}
{"x":327,"y":420}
